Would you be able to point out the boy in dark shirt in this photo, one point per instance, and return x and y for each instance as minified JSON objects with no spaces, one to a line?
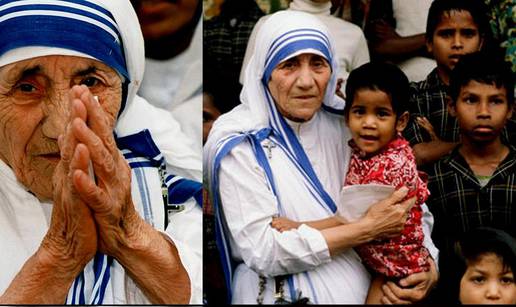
{"x":454,"y":28}
{"x":475,"y":185}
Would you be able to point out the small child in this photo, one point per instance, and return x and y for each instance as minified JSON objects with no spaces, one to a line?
{"x":376,"y":115}
{"x":485,"y":266}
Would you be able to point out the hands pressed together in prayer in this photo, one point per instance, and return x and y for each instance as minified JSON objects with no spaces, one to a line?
{"x":91,"y":215}
{"x":97,"y":214}
{"x":88,"y":215}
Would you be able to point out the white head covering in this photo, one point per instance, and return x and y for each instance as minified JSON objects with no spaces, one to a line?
{"x":284,"y":34}
{"x":137,"y":114}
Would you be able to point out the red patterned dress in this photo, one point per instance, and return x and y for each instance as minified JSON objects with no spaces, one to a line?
{"x":395,"y":165}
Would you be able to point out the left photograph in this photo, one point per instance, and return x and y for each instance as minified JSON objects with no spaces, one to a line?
{"x":100,"y":152}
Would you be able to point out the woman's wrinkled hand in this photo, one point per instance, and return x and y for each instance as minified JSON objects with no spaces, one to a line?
{"x":109,"y":194}
{"x":72,"y":234}
{"x":412,"y":288}
{"x":388,"y":216}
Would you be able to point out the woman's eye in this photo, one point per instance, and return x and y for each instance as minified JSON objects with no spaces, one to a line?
{"x":90,"y":81}
{"x":27,"y":88}
{"x":318,"y":63}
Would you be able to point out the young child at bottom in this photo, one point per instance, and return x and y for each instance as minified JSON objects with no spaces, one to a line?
{"x":376,"y":114}
{"x":485,"y":263}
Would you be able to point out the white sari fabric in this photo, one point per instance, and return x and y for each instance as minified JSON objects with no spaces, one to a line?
{"x":259,"y":165}
{"x":149,"y":138}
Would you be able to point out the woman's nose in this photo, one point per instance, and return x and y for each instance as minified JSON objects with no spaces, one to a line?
{"x":57,"y":110}
{"x":305,"y":78}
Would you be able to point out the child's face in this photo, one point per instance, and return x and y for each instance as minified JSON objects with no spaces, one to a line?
{"x":486,"y":282}
{"x":372,"y":121}
{"x":481,"y":110}
{"x":455,"y":35}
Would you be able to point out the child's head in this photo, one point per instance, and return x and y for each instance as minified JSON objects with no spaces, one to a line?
{"x":481,"y":96}
{"x":455,"y":28}
{"x":377,"y":106}
{"x":486,"y":263}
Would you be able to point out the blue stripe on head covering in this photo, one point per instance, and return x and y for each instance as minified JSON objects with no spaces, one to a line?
{"x":70,"y":24}
{"x":292,"y":42}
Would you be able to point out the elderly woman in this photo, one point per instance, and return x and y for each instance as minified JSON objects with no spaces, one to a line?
{"x":88,"y":211}
{"x":281,"y":154}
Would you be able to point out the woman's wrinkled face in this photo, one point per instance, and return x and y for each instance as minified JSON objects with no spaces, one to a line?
{"x":34,"y":111}
{"x":298,"y":86}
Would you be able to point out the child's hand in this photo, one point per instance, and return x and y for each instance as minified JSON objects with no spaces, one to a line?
{"x":338,"y":91}
{"x":282,"y":224}
{"x":424,"y":123}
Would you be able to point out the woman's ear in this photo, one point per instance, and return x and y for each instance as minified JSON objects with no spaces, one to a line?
{"x":402,"y":121}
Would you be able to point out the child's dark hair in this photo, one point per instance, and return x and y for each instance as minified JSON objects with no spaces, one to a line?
{"x":480,"y":241}
{"x":384,"y":77}
{"x":476,"y":8}
{"x":483,"y":67}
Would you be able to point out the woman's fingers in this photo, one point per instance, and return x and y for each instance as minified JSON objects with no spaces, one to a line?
{"x":98,"y":120}
{"x":393,"y":293}
{"x":102,"y":158}
{"x":398,"y":195}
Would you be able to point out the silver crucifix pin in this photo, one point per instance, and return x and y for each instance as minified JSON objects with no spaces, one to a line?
{"x":269,"y":145}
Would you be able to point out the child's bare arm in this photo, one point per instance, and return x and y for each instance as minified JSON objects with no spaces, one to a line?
{"x":283,"y":224}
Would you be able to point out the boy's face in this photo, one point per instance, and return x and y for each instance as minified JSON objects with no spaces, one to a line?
{"x":455,"y":35}
{"x":481,"y":110}
{"x":486,"y":282}
{"x":372,"y":121}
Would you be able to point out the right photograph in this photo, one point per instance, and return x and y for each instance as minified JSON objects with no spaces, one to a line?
{"x":359,"y":152}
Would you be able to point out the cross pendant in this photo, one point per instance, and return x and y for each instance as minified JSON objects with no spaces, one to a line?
{"x":269,"y":145}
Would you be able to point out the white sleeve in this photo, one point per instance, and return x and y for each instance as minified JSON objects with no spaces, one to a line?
{"x":248,"y":207}
{"x":428,"y":225}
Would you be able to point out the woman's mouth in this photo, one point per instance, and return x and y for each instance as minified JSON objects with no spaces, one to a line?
{"x":54,"y":157}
